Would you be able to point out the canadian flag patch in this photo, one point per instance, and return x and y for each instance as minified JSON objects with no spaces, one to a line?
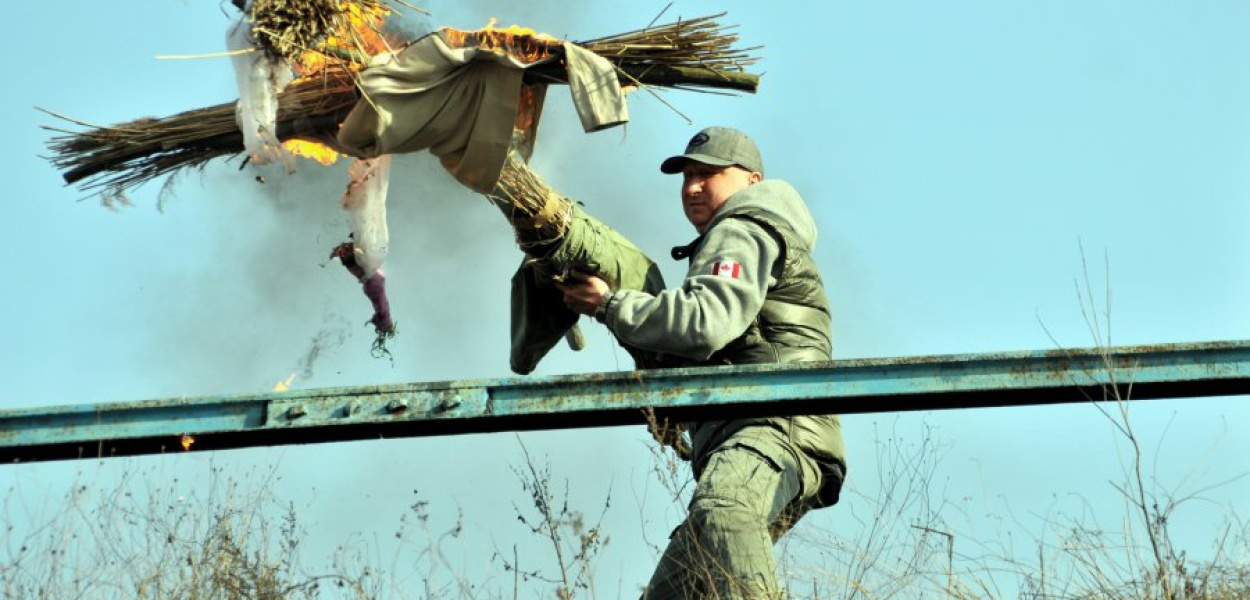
{"x":726,"y":268}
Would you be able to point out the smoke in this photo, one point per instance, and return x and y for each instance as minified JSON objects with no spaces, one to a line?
{"x":253,"y":282}
{"x":406,"y":25}
{"x":259,"y":281}
{"x":330,"y":338}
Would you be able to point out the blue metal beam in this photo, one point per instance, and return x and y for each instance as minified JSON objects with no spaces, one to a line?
{"x":452,"y":407}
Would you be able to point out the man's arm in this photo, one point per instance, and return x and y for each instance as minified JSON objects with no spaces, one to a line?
{"x":721,"y":295}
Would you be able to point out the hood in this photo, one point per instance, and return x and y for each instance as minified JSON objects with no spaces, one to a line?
{"x":777,"y":198}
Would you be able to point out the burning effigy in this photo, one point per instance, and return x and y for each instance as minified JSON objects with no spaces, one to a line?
{"x":321,"y":79}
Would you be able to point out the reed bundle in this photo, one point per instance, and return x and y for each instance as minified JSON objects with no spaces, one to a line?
{"x":702,"y":42}
{"x":696,"y":53}
{"x":122,"y":156}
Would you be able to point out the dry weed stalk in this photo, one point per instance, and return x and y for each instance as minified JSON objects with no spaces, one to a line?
{"x":901,"y":548}
{"x":667,"y":433}
{"x":1111,"y":566}
{"x":575,"y":543}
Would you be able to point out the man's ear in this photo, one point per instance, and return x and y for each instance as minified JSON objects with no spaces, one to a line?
{"x":756,"y":177}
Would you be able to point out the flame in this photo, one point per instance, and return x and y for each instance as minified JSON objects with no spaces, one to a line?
{"x":516,"y":30}
{"x":310,"y":63}
{"x":521,"y":43}
{"x":529,"y":107}
{"x":314,"y":150}
{"x":357,"y":30}
{"x":363,"y":25}
{"x":187,"y":440}
{"x":284,"y":386}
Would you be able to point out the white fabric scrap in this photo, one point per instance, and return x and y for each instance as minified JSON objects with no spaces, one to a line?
{"x":260,"y":79}
{"x":365,"y":202}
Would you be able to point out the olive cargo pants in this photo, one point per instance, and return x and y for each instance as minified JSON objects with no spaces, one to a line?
{"x":745,"y":499}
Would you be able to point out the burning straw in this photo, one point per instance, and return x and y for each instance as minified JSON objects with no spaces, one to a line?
{"x":286,"y":29}
{"x":697,"y":54}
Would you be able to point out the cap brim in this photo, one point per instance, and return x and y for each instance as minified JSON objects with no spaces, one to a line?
{"x":675,"y":164}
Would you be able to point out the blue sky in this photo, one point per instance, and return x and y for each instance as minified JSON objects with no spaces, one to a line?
{"x":956,"y":156}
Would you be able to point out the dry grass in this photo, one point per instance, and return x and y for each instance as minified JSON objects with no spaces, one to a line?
{"x":138,"y":537}
{"x":141,"y":537}
{"x":575,"y":543}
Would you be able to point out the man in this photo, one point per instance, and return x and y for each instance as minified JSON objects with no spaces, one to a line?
{"x":752,"y":295}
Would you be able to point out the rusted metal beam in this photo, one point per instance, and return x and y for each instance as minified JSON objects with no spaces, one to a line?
{"x":453,"y":407}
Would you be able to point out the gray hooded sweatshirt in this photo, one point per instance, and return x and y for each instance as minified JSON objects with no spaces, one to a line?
{"x":733,"y":267}
{"x":730,"y":274}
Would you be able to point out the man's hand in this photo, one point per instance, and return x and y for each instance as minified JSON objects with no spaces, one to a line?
{"x":583,"y":292}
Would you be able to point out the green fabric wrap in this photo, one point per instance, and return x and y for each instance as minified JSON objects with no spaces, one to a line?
{"x":539,"y":317}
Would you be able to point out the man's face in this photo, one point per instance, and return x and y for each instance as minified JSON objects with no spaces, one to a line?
{"x":705,"y":189}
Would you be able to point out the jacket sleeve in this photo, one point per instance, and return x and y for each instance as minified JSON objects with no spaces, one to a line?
{"x":722,"y":293}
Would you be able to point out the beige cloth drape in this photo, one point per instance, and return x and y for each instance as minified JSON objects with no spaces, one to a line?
{"x":462,"y":103}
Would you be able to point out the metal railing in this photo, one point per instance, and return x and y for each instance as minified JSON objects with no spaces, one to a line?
{"x":453,"y":407}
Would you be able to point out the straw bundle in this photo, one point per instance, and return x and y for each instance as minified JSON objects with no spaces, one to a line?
{"x":537,"y":213}
{"x":698,"y":53}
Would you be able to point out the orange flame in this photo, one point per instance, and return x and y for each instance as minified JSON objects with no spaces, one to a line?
{"x":521,"y":43}
{"x":516,"y":30}
{"x":363,"y":25}
{"x":359,"y":30}
{"x":314,"y":150}
{"x":187,"y":440}
{"x":284,"y":386}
